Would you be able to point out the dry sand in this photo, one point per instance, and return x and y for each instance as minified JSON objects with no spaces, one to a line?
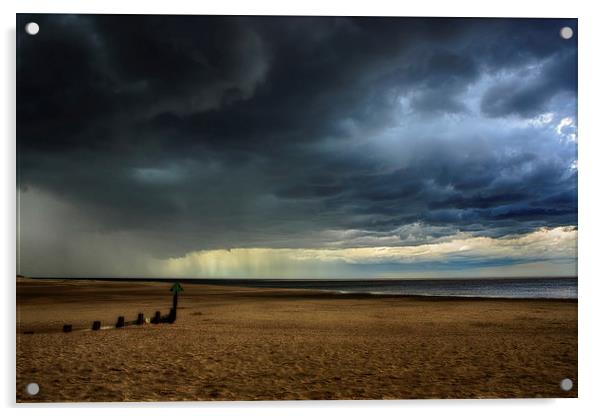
{"x":234,"y":343}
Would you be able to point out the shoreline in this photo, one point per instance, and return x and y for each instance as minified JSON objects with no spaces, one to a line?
{"x":317,"y":292}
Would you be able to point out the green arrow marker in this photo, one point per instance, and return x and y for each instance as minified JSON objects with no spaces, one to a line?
{"x":176,"y":288}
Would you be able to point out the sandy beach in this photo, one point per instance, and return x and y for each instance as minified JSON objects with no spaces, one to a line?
{"x":236,"y":343}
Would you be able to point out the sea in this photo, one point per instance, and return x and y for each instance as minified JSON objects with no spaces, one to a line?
{"x":524,"y":288}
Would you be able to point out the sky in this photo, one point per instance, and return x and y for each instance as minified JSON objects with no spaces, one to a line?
{"x":296,"y":147}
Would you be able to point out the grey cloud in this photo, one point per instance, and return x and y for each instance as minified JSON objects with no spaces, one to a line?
{"x":515,"y":97}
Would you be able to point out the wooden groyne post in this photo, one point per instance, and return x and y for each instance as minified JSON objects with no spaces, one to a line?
{"x":157,"y":318}
{"x":175,"y":289}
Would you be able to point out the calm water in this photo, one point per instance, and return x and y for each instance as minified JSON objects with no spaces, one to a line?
{"x":556,"y":288}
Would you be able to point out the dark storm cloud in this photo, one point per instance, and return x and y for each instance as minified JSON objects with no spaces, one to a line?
{"x":213,"y":132}
{"x":559,"y":74}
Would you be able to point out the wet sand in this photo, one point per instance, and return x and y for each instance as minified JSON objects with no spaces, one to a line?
{"x":235,"y":343}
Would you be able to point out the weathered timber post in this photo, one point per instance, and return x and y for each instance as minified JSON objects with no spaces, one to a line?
{"x":120,"y":322}
{"x":140,"y":319}
{"x":157,"y":318}
{"x":175,"y":289}
{"x":95,"y":325}
{"x":67,"y":328}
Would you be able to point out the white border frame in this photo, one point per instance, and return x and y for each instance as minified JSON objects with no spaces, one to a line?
{"x":590,"y":68}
